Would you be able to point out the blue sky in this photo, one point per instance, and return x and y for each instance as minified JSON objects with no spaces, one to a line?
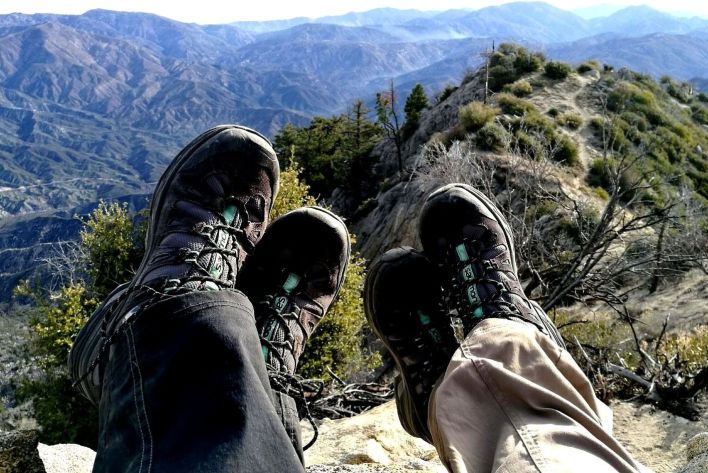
{"x":218,"y":11}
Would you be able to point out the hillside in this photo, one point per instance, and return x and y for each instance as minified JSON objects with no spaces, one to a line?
{"x":94,"y":106}
{"x":603,"y":174}
{"x":569,"y":108}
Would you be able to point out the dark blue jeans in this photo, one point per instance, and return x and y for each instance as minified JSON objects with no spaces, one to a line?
{"x":185,"y":389}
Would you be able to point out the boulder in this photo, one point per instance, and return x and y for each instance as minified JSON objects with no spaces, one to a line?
{"x":696,"y":454}
{"x":370,"y":442}
{"x":66,"y":458}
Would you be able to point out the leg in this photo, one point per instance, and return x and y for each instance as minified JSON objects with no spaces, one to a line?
{"x":173,"y":359}
{"x":511,"y":399}
{"x":186,"y":390}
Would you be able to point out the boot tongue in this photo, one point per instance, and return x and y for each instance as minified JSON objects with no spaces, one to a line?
{"x":232,"y":215}
{"x":474,"y":268}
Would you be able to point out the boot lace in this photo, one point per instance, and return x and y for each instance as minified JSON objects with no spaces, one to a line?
{"x":208,"y":277}
{"x":278,"y":344}
{"x":461,"y":298}
{"x":111,"y":329}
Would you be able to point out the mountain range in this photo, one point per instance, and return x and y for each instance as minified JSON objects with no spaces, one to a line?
{"x":93,"y":106}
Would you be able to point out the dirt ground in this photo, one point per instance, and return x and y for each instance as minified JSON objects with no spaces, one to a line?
{"x":655,"y":438}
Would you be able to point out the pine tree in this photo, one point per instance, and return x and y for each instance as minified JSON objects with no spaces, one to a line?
{"x":415,"y":103}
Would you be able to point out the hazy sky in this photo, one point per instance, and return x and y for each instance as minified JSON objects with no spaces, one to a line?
{"x":218,"y":11}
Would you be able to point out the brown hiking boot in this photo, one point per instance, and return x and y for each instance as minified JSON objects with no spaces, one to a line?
{"x":468,"y":239}
{"x":403,"y":307}
{"x":422,"y":305}
{"x":292,"y":279}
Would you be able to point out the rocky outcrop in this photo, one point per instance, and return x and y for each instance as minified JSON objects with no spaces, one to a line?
{"x":394,"y":221}
{"x":374,"y":442}
{"x":18,"y":452}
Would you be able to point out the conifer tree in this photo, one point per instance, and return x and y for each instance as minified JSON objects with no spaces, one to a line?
{"x":415,"y":103}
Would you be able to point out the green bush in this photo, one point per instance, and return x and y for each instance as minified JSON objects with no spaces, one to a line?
{"x":565,"y":151}
{"x":547,"y":207}
{"x":636,"y":121}
{"x":601,"y":174}
{"x":627,"y":96}
{"x":113,"y":245}
{"x":475,"y":115}
{"x":509,"y":63}
{"x":57,"y":321}
{"x":528,"y":145}
{"x":557,"y":70}
{"x":534,"y":121}
{"x":677,"y":90}
{"x":614,"y":133}
{"x":601,"y":193}
{"x":445,"y":93}
{"x":520,"y":88}
{"x":514,"y":106}
{"x":672,"y":144}
{"x":588,"y":66}
{"x":700,"y":114}
{"x":492,"y":137}
{"x":570,"y":120}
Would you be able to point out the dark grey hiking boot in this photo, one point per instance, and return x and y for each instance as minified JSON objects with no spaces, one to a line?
{"x":402,"y":302}
{"x":209,"y":209}
{"x":292,"y":279}
{"x":467,"y":237}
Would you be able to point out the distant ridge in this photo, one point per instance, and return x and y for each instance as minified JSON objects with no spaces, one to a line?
{"x":94,"y":106}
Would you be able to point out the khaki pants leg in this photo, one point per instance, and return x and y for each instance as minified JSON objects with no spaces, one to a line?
{"x":511,"y":400}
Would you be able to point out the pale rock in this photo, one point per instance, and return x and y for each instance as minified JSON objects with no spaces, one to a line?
{"x":592,"y":74}
{"x":66,"y":458}
{"x":698,"y":445}
{"x":696,"y":454}
{"x":374,"y":440}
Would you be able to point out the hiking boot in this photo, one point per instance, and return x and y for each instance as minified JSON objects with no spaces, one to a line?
{"x":292,"y":279}
{"x":402,"y":302}
{"x":469,"y":240}
{"x":209,"y":209}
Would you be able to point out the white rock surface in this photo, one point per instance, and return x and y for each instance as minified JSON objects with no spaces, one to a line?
{"x":66,"y":458}
{"x":375,"y":440}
